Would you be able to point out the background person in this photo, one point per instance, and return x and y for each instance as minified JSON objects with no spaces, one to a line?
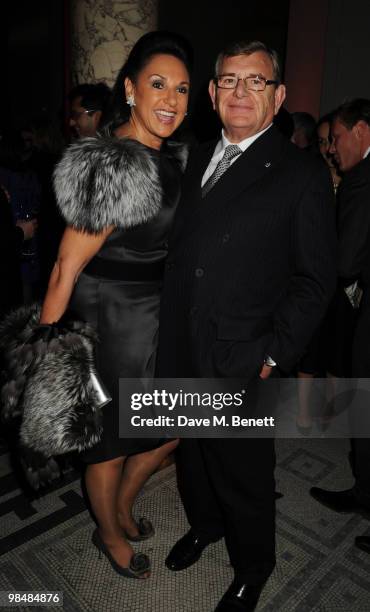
{"x":351,"y":149}
{"x":326,"y":344}
{"x":324,"y":142}
{"x":11,"y":239}
{"x":304,"y":134}
{"x":41,"y":158}
{"x":88,"y":103}
{"x":24,"y":192}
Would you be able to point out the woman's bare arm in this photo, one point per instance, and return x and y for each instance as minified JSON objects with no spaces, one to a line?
{"x":75,"y":251}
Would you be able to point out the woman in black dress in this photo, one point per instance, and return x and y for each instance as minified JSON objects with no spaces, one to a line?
{"x":118,"y":195}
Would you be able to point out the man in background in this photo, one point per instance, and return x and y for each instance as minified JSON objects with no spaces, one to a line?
{"x":88,"y":103}
{"x":351,"y":149}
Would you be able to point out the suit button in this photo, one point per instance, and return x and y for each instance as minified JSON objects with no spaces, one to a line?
{"x":199,"y":272}
{"x":225,"y":237}
{"x":193,"y":311}
{"x":169,"y":265}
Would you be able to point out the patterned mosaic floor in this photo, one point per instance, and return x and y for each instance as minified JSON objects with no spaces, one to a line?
{"x":45,"y":545}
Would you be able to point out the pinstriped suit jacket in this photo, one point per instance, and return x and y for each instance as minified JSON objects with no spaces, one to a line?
{"x":251,"y":267}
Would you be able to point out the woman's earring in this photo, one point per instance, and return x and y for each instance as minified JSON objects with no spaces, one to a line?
{"x":130,"y":101}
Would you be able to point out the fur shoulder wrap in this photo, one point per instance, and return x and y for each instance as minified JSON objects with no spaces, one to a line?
{"x":105,"y":181}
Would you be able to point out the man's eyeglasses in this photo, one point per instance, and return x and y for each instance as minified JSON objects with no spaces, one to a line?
{"x":252,"y":82}
{"x":77,"y":114}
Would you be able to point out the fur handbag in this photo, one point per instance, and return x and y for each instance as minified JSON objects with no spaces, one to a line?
{"x":49,"y":385}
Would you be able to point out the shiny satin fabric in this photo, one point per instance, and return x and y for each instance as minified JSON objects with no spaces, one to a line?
{"x":125,"y":313}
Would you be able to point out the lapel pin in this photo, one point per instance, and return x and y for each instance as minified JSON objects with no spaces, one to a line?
{"x":267,"y":164}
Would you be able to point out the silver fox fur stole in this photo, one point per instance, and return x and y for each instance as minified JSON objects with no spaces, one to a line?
{"x":104,"y":181}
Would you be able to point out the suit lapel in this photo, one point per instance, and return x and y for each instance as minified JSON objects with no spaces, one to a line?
{"x":258,"y":160}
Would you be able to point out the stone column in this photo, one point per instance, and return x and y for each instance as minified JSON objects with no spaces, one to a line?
{"x":305,"y":55}
{"x":103,"y":33}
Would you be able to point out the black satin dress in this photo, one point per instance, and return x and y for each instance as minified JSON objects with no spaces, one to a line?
{"x":119,"y":293}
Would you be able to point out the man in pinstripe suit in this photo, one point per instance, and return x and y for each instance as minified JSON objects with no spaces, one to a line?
{"x":250,"y":272}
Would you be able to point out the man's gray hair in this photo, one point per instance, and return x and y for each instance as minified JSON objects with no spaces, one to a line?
{"x":247,"y":48}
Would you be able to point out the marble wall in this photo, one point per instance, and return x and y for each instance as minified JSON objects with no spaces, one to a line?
{"x":103,"y":32}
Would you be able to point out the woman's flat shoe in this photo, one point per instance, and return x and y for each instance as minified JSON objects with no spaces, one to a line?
{"x":145,"y":529}
{"x":139,"y":563}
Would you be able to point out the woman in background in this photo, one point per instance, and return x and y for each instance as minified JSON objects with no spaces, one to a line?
{"x":324,"y":142}
{"x":323,"y":348}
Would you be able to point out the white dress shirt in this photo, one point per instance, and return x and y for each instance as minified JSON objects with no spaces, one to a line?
{"x":219,"y":151}
{"x":367,"y":152}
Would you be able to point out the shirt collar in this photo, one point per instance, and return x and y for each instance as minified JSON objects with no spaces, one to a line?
{"x":366,"y":152}
{"x":243,"y":144}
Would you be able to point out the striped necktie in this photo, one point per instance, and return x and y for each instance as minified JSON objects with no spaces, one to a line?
{"x":231,"y":151}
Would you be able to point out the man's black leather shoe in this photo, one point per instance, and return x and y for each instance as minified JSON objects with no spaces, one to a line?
{"x":340,"y":501}
{"x":363,"y":542}
{"x":186,"y":551}
{"x":240,"y":597}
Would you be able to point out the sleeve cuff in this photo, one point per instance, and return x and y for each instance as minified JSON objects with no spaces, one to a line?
{"x":269,"y":361}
